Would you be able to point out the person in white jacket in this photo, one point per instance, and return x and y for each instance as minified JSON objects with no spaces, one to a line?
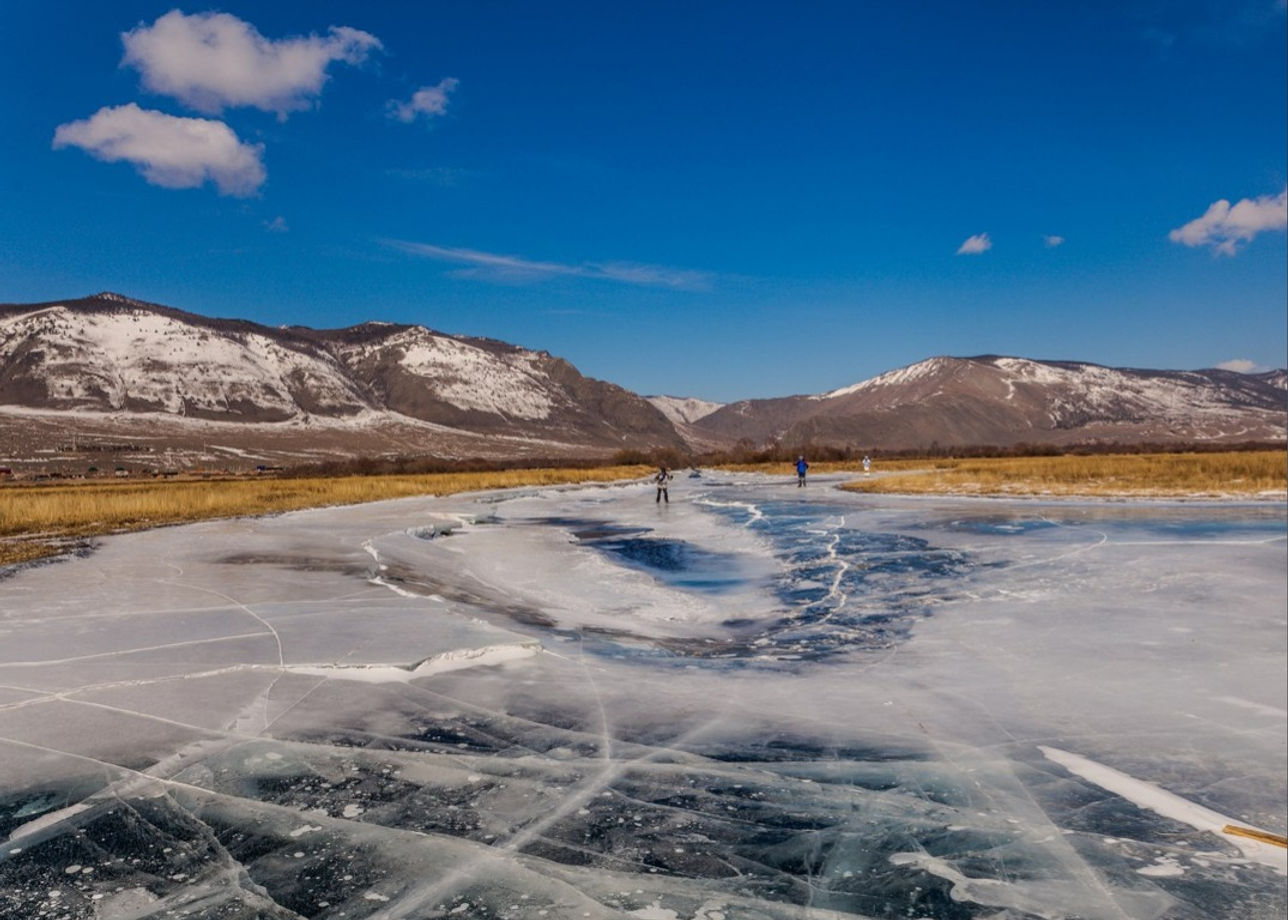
{"x":662,"y":480}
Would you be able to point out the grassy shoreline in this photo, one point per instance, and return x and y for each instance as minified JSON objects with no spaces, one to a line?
{"x":38,"y":521}
{"x":1214,"y":476}
{"x":42,"y":520}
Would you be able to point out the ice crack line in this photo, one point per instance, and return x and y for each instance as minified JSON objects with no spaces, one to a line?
{"x":1077,"y":550}
{"x":378,"y":579}
{"x":1265,"y":542}
{"x":131,"y":651}
{"x":281,"y":656}
{"x":612,"y":769}
{"x":754,"y":512}
{"x":842,"y":566}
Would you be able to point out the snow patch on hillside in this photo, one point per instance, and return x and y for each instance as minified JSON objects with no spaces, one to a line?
{"x":469,"y":377}
{"x":1034,"y":372}
{"x":1070,"y":395}
{"x":1076,"y":391}
{"x":900,"y":377}
{"x":109,"y":360}
{"x":1277,"y":379}
{"x":120,"y":298}
{"x":684,"y":410}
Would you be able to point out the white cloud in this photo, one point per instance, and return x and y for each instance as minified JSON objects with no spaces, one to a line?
{"x":169,"y":151}
{"x":212,"y":60}
{"x":1243,"y":366}
{"x":974,"y":245}
{"x":1225,"y":226}
{"x":277,"y":224}
{"x":493,"y":266}
{"x":430,"y":101}
{"x":1053,"y":241}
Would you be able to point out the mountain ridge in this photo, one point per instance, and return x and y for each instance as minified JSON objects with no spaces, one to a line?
{"x":115,"y":368}
{"x":410,"y":388}
{"x":1002,"y":400}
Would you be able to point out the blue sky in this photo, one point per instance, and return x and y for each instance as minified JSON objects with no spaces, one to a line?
{"x":724,"y":200}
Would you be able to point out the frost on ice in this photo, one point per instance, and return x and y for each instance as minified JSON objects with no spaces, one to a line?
{"x":572,"y":703}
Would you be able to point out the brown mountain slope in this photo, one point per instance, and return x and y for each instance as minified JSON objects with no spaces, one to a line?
{"x":119,"y":367}
{"x":992,"y":400}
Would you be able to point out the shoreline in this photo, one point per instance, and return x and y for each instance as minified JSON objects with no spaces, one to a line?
{"x":19,"y":549}
{"x":49,"y":521}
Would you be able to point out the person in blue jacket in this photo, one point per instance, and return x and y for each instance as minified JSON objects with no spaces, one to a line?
{"x":801,"y":467}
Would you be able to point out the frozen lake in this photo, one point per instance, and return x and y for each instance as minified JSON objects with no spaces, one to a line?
{"x":757,"y":702}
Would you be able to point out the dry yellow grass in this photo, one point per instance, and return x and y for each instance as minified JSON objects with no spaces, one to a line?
{"x":1233,"y":474}
{"x":41,"y":520}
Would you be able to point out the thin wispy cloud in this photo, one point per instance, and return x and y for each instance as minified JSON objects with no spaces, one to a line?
{"x":428,"y":101}
{"x":1224,"y":226}
{"x":515,"y":269}
{"x":444,"y":176}
{"x":1236,"y":23}
{"x":212,"y":61}
{"x":974,"y":245}
{"x":169,"y":151}
{"x":1052,"y":241}
{"x":277,"y":225}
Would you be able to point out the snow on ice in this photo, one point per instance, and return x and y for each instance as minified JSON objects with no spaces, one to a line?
{"x":757,"y":702}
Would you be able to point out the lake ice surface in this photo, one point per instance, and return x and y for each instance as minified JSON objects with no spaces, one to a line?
{"x":756,"y":702}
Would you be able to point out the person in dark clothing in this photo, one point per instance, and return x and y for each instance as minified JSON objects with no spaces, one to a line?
{"x":662,"y":480}
{"x":801,"y":467}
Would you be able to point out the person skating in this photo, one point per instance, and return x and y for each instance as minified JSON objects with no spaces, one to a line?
{"x":801,"y":467}
{"x":662,"y":480}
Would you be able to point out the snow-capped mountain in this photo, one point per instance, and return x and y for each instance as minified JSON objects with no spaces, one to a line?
{"x":684,"y":410}
{"x":137,"y":380}
{"x":111,"y":354}
{"x":145,"y":366}
{"x":992,"y":400}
